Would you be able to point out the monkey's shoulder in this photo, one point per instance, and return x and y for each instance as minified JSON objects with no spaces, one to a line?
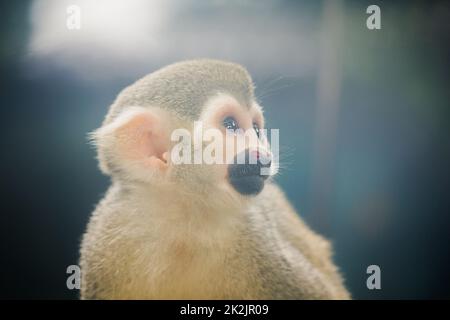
{"x":282,"y":218}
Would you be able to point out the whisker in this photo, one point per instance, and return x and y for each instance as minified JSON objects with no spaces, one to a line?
{"x":275,"y":85}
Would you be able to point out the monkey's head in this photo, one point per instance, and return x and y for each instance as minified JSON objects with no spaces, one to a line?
{"x":191,"y":127}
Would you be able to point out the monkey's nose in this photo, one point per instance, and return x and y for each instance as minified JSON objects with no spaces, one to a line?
{"x":247,"y":177}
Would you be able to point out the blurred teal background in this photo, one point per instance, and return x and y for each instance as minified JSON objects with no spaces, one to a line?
{"x":364,"y":121}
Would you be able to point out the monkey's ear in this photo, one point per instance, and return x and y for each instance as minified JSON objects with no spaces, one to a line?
{"x":135,"y":144}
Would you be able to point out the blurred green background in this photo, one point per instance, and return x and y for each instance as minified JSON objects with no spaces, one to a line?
{"x":364,"y":121}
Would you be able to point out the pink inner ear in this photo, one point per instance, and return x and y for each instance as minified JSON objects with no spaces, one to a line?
{"x":142,"y":140}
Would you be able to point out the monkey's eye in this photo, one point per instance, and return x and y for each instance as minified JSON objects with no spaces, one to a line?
{"x":256,"y":128}
{"x":230,"y":123}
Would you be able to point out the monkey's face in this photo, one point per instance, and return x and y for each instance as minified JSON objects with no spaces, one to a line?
{"x":225,"y":150}
{"x":244,"y":161}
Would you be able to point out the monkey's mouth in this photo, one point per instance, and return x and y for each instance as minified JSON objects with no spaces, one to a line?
{"x":246,"y":178}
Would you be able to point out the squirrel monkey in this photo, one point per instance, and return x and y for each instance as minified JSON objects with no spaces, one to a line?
{"x":195,"y":231}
